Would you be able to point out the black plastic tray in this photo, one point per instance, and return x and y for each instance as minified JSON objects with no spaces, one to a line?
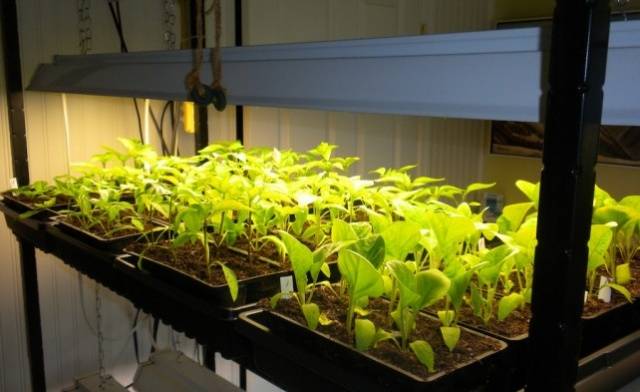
{"x":512,"y":376}
{"x":228,"y":311}
{"x":114,"y":244}
{"x":281,"y":346}
{"x":598,"y":331}
{"x":32,"y":230}
{"x":603,"y":328}
{"x":21,"y":206}
{"x":249,"y":290}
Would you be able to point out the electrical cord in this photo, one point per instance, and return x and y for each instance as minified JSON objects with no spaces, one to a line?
{"x":154,"y":344}
{"x":136,"y":348}
{"x":86,"y":317}
{"x":159,"y":125}
{"x":114,"y":9}
{"x":156,"y":325}
{"x":132,"y":332}
{"x":135,"y":105}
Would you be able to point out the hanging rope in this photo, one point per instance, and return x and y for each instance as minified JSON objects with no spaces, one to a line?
{"x":215,"y":54}
{"x":200,"y":93}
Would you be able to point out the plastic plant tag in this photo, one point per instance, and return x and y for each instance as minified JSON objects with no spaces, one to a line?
{"x":481,"y":245}
{"x":286,"y":286}
{"x":586,"y":295}
{"x":604,"y":293}
{"x":13,"y":183}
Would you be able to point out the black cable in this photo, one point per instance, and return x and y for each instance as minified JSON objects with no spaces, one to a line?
{"x":160,"y":127}
{"x":135,"y":105}
{"x":116,"y":16}
{"x":117,"y":20}
{"x":156,"y":325}
{"x":167,"y":105}
{"x":174,"y":130}
{"x":136,"y":348}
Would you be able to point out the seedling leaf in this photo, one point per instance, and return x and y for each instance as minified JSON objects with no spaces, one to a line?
{"x":508,"y":304}
{"x":365,"y":334}
{"x":424,"y":353}
{"x":232,"y":281}
{"x":623,"y":273}
{"x":311,"y":314}
{"x":621,"y":289}
{"x":450,"y":335}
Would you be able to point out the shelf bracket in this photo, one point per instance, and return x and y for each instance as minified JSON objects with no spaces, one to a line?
{"x":574,"y":101}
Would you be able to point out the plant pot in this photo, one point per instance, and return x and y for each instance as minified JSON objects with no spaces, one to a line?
{"x":317,"y":362}
{"x":23,"y":206}
{"x":598,"y":331}
{"x":607,"y":326}
{"x":249,"y":290}
{"x":128,"y":264}
{"x":513,"y":362}
{"x":32,"y":229}
{"x":113,"y":244}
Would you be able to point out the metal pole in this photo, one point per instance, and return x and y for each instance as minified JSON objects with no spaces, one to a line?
{"x":209,"y":358}
{"x":579,"y":44}
{"x":201,"y":112}
{"x":20,"y":163}
{"x":238,"y":42}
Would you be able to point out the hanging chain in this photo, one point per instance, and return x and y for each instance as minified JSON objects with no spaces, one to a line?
{"x":101,"y":371}
{"x":169,"y":21}
{"x":84,"y":26}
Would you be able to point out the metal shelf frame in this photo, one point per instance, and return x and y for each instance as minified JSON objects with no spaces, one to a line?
{"x":482,"y":75}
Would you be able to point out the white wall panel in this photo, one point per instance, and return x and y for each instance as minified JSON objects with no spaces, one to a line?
{"x":47,"y":28}
{"x":454,"y":148}
{"x":308,"y":128}
{"x":13,"y":361}
{"x":440,"y":147}
{"x":377,"y":140}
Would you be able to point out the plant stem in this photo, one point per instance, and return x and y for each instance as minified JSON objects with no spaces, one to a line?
{"x":350,"y":315}
{"x":392,"y":300}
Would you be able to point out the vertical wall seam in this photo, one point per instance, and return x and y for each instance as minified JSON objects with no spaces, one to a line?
{"x":360,"y":147}
{"x":397,"y":142}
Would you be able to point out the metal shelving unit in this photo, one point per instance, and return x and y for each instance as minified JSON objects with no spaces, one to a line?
{"x":427,"y":75}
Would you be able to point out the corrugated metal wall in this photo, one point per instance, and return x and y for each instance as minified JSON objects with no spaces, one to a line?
{"x":440,"y":147}
{"x":12,"y":346}
{"x":447,"y":148}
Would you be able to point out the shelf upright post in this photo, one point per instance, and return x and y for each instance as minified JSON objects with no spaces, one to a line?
{"x":201,"y":111}
{"x":577,"y":65}
{"x":238,"y":42}
{"x":20,"y":163}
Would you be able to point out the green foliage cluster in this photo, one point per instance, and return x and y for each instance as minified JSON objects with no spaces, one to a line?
{"x":416,"y":241}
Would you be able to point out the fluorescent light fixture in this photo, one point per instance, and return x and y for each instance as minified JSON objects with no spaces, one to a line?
{"x":497,"y":74}
{"x":172,"y":371}
{"x":92,"y":383}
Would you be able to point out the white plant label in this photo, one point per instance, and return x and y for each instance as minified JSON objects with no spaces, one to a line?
{"x":481,"y":245}
{"x":286,"y":286}
{"x":604,"y":293}
{"x":13,"y":183}
{"x":586,"y":295}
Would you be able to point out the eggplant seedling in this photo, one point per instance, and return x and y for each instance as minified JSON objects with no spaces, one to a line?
{"x":304,"y":262}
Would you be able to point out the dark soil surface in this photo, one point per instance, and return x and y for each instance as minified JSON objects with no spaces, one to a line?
{"x":594,"y":306}
{"x":190,"y":259}
{"x":517,"y":323}
{"x":60,"y":199}
{"x":428,"y":329}
{"x":269,"y":250}
{"x":105,"y":230}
